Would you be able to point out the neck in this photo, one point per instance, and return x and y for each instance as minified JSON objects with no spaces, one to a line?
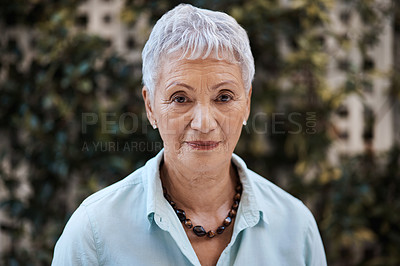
{"x":201,"y":191}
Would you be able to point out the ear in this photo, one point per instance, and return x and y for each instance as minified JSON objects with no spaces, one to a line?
{"x":147,"y":103}
{"x":248,"y":103}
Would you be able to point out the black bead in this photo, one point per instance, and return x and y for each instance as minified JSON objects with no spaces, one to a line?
{"x":181,"y":214}
{"x":199,"y":230}
{"x":220,"y":229}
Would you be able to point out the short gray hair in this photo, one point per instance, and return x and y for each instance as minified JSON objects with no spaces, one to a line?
{"x":196,"y":33}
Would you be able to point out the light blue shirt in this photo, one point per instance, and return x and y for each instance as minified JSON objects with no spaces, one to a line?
{"x":131,"y":223}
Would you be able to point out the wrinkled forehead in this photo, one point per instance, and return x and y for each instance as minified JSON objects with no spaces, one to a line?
{"x":225,"y":56}
{"x":175,"y":63}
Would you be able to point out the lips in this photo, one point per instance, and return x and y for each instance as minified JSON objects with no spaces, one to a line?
{"x":203,"y":145}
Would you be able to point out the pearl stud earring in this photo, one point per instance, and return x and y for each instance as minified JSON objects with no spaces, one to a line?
{"x":244,"y":122}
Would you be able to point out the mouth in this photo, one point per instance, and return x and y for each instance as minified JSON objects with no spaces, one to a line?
{"x":203,"y":145}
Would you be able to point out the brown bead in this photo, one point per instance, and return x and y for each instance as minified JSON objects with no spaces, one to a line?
{"x":238,"y":188}
{"x":235,"y":205}
{"x":232,"y":213}
{"x":181,"y":214}
{"x":199,"y":230}
{"x":173,"y":204}
{"x":227,"y":221}
{"x":211,"y":234}
{"x":220,"y":229}
{"x":237,"y":197}
{"x":188,"y":223}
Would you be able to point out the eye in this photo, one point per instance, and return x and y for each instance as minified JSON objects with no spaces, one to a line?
{"x":224,"y":98}
{"x":180,"y":99}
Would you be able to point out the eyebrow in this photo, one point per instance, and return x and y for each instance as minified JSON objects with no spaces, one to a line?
{"x":216,"y":86}
{"x":176,"y":83}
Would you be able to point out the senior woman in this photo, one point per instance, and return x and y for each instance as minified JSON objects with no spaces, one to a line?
{"x":195,"y":203}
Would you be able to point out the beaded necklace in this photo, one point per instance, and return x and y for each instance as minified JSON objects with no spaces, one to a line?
{"x":198,"y":229}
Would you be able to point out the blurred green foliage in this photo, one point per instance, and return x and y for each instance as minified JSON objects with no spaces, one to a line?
{"x":71,"y":74}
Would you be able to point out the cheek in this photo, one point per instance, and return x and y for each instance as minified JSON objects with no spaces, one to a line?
{"x":166,"y":115}
{"x":172,"y":125}
{"x":231,"y":120}
{"x":232,"y":128}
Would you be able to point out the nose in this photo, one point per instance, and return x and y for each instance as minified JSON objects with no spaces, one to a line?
{"x":203,"y":118}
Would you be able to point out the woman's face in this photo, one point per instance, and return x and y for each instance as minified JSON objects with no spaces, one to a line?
{"x":199,"y":107}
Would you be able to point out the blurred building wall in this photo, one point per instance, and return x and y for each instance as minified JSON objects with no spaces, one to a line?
{"x":374,"y":100}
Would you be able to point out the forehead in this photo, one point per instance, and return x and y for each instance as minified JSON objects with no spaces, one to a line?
{"x":173,"y":68}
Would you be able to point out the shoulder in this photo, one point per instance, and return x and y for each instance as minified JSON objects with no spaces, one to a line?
{"x":273,"y":192}
{"x":129,"y":190}
{"x":82,"y":238}
{"x":132,"y":184}
{"x":278,"y":205}
{"x":288,"y":216}
{"x":107,"y":200}
{"x":272,"y":200}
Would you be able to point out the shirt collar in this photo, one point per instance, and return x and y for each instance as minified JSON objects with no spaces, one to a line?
{"x":156,"y":203}
{"x":152,"y":183}
{"x":250,"y":200}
